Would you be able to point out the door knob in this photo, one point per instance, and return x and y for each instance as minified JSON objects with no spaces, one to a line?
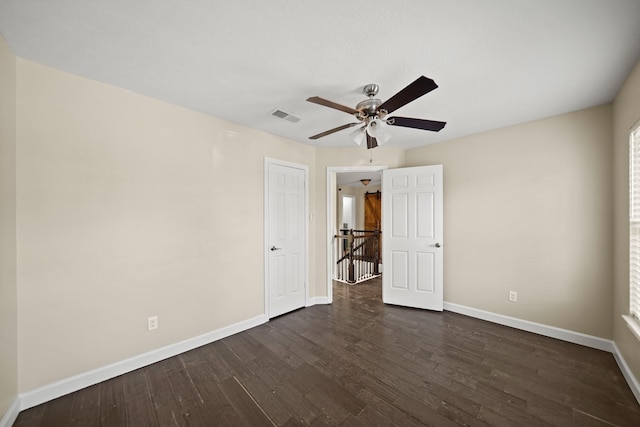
{"x":437,"y":245}
{"x":273,"y":248}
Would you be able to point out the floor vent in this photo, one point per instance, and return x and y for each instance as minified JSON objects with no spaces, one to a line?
{"x":285,"y":116}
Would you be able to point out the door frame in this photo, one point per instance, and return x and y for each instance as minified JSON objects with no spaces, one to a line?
{"x":332,"y":209}
{"x":268,"y":161}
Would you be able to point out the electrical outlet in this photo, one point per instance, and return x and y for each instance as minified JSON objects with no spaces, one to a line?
{"x":152,"y":322}
{"x":513,"y":296}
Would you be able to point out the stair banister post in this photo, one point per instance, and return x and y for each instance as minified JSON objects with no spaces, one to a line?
{"x":352,"y":273}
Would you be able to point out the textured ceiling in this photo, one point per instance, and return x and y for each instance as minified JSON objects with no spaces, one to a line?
{"x":497,"y":62}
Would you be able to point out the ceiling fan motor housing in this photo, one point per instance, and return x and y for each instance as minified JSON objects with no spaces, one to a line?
{"x":368,"y":107}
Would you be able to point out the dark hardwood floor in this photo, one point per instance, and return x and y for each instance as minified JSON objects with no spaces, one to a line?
{"x":361,"y":363}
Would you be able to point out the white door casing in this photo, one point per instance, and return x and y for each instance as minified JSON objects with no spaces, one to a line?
{"x":331,"y":215}
{"x":285,"y":237}
{"x":412,"y":237}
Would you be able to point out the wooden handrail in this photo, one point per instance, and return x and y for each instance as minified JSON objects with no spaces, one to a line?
{"x":348,"y":236}
{"x":365,"y":250}
{"x":361,"y":236}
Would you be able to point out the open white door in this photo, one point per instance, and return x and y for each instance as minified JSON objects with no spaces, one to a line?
{"x":412,"y":222}
{"x":286,"y":239}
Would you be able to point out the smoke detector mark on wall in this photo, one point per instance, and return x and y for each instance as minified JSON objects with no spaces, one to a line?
{"x":285,"y":116}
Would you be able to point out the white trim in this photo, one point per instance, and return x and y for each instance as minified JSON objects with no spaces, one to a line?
{"x":633,"y":383}
{"x":331,"y":219}
{"x":267,"y":162}
{"x":318,"y":301}
{"x":12,"y":413}
{"x":633,"y":325}
{"x":537,"y":328}
{"x":69,"y":385}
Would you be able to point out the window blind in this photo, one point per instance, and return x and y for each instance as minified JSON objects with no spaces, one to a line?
{"x":634,"y":223}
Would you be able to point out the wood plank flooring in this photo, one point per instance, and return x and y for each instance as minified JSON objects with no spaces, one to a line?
{"x":361,"y":363}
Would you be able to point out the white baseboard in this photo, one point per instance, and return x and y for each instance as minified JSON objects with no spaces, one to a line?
{"x":318,"y":301}
{"x":11,"y":414}
{"x":537,"y":328}
{"x":86,"y":379}
{"x":634,"y":385}
{"x":553,"y":332}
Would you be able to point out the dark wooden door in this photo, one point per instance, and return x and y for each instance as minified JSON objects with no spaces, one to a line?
{"x":372,"y":210}
{"x":373,"y":214}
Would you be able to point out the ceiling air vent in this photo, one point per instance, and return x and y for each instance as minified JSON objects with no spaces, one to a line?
{"x":285,"y":116}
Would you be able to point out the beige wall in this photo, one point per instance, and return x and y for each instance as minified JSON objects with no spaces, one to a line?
{"x":8,"y":278}
{"x":626,"y":112}
{"x":130,"y":207}
{"x":528,"y":208}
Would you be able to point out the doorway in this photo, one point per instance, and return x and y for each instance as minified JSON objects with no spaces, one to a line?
{"x":349,"y":176}
{"x":412,"y":202}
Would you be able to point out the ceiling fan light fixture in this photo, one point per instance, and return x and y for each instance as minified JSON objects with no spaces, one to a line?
{"x":383,"y":139}
{"x":358,"y":136}
{"x":378,"y":129}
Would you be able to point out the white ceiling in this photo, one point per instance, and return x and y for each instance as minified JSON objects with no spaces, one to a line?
{"x":497,"y":62}
{"x":352,"y":179}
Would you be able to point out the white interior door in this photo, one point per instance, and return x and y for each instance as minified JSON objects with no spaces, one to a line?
{"x":412,"y":222}
{"x":286,"y":240}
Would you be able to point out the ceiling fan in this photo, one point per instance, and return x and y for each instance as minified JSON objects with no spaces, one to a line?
{"x":372,"y":112}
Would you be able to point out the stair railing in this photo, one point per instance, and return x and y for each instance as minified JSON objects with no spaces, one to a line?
{"x":358,"y":255}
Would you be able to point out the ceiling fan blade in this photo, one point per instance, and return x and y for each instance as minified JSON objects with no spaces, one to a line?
{"x":409,"y":122}
{"x":331,"y":104}
{"x":330,"y":131}
{"x":415,"y":90}
{"x":371,"y":142}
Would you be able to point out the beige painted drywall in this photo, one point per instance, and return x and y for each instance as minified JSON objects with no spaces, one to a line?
{"x":529,"y":208}
{"x":626,"y":112}
{"x":130,"y":207}
{"x":8,"y":276}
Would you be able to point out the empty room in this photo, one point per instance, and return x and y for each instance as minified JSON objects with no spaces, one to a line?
{"x":319,"y":213}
